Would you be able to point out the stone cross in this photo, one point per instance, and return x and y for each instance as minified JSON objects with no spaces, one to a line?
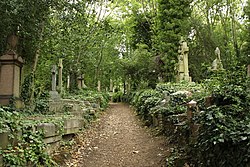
{"x":183,"y":72}
{"x":54,"y":73}
{"x":60,"y":66}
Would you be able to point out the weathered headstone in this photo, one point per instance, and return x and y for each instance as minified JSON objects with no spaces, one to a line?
{"x":183,"y":72}
{"x":53,"y":93}
{"x":60,"y":84}
{"x":10,"y":74}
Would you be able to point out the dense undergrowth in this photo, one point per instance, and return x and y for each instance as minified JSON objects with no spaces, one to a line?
{"x":26,"y":146}
{"x":223,"y":138}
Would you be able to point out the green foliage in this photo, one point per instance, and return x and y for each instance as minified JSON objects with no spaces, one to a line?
{"x":225,"y":125}
{"x":26,"y":89}
{"x":9,"y":120}
{"x":26,"y":148}
{"x":245,"y":58}
{"x":140,"y":68}
{"x":171,"y":23}
{"x":100,"y":98}
{"x":30,"y":150}
{"x":142,"y":33}
{"x":117,"y":97}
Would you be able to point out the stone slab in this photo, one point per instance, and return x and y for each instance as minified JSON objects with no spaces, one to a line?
{"x":73,"y":125}
{"x":49,"y":129}
{"x":71,"y":130}
{"x":52,"y":139}
{"x":4,"y":138}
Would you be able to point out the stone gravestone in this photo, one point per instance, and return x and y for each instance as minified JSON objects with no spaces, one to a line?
{"x":53,"y":93}
{"x":183,"y":72}
{"x":217,"y":64}
{"x":10,"y":74}
{"x":60,"y":84}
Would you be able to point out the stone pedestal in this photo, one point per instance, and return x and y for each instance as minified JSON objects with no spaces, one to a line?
{"x":10,"y":78}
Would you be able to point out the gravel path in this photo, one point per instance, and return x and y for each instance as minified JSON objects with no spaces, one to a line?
{"x":118,"y":139}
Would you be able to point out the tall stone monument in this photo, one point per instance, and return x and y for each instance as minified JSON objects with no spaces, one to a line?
{"x":60,"y":84}
{"x":10,"y":73}
{"x":53,"y":93}
{"x":217,"y":64}
{"x":183,"y":72}
{"x":99,"y":86}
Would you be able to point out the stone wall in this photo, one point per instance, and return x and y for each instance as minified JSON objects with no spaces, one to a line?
{"x":52,"y":133}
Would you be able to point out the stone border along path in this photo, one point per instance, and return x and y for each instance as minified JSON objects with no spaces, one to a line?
{"x":118,"y":139}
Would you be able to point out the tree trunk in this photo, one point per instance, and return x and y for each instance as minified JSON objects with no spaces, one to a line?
{"x":34,"y":67}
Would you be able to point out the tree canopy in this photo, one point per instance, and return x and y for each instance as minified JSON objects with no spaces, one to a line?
{"x":129,"y":40}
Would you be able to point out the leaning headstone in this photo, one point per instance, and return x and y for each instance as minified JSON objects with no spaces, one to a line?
{"x":53,"y":93}
{"x":60,"y":66}
{"x":10,"y":74}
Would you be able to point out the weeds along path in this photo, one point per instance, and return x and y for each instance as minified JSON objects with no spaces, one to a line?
{"x":119,"y":139}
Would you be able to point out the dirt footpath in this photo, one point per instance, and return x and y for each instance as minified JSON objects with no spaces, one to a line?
{"x":118,"y":139}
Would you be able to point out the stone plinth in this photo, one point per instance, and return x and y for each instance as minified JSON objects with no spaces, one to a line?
{"x":54,"y":95}
{"x":73,"y":126}
{"x":51,"y":133}
{"x":10,"y":78}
